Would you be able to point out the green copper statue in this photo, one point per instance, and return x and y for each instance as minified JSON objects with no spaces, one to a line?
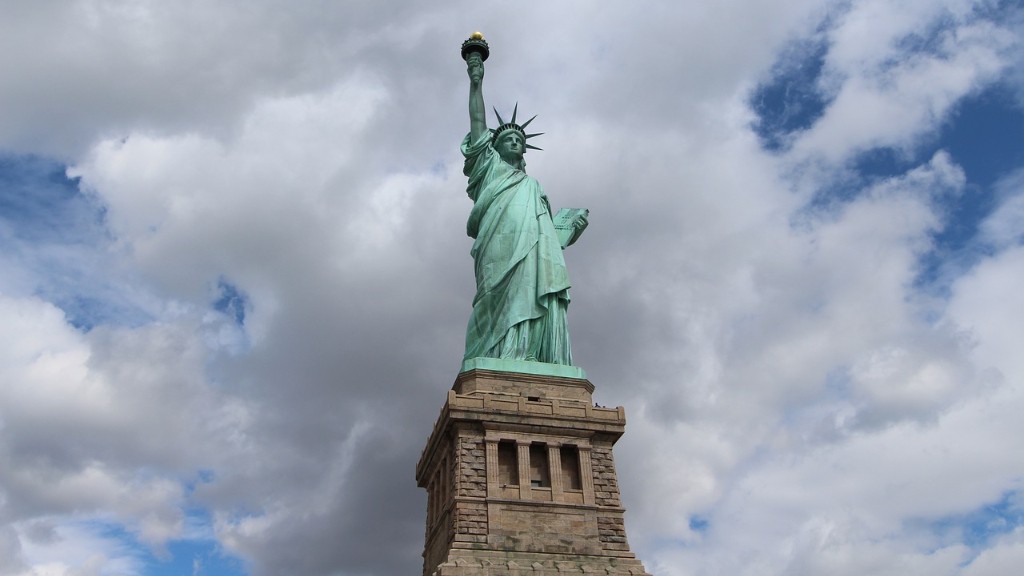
{"x":522,"y":287}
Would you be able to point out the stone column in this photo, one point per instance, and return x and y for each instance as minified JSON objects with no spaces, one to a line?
{"x":555,"y":471}
{"x":587,"y":475}
{"x":492,"y":467}
{"x":523,"y":459}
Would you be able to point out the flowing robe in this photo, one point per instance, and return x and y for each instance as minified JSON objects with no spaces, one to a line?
{"x":522,"y":287}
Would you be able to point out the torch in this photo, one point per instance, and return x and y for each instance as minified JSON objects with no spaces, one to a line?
{"x":475,"y":43}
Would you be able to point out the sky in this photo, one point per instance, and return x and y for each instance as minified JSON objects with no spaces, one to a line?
{"x":235,"y":278}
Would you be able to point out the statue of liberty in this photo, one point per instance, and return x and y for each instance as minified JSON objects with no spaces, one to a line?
{"x":522,"y":287}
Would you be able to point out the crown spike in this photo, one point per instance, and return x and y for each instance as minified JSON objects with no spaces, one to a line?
{"x":527,"y":123}
{"x":500,"y":121}
{"x":514,"y":111}
{"x":528,"y":136}
{"x":532,"y":147}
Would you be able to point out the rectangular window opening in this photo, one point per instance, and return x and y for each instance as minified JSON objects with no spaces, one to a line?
{"x":539,"y":473}
{"x":508,"y":464}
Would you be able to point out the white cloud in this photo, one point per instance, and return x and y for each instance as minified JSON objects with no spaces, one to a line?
{"x":1003,"y":558}
{"x":1004,"y":226}
{"x":986,"y":303}
{"x":79,"y":549}
{"x":193,"y":203}
{"x":887,"y":92}
{"x":106,"y":425}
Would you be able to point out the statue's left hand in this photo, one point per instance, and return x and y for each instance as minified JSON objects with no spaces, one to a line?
{"x":580,"y":223}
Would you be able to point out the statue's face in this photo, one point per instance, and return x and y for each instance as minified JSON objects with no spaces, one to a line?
{"x":510,"y":147}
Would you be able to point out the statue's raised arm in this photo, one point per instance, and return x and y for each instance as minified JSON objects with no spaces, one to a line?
{"x":477,"y":111}
{"x":522,"y":287}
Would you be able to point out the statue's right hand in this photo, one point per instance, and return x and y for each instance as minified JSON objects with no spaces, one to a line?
{"x":475,"y":68}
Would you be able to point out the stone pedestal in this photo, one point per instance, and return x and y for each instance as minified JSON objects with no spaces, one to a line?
{"x":520,"y":477}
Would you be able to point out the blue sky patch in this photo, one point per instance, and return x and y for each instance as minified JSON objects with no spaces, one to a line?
{"x":985,"y":137}
{"x":195,"y":557}
{"x":699,"y":524}
{"x":978,"y":528}
{"x":231,"y":301}
{"x":39,"y":203}
{"x":197,"y":554}
{"x":791,"y":101}
{"x":57,"y":246}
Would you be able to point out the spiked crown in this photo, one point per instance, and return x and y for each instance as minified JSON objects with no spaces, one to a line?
{"x":506,"y":126}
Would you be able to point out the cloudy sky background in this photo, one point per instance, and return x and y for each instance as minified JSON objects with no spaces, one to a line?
{"x":234,"y":276}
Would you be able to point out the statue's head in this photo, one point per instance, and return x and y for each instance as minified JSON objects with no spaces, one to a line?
{"x":509,"y":139}
{"x":511,"y":145}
